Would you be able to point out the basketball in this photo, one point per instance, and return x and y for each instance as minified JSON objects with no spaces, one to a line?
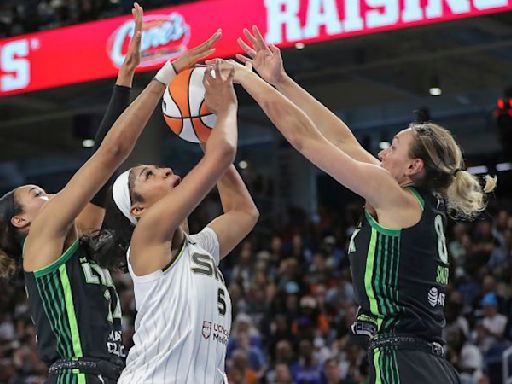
{"x":184,"y":107}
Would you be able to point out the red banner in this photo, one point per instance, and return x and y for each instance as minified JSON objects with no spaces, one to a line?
{"x":95,"y":50}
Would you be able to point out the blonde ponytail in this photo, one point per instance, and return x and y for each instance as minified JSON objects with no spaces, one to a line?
{"x":466,"y":197}
{"x":444,"y":172}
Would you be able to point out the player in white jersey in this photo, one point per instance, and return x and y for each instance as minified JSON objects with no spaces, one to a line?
{"x":183,"y":307}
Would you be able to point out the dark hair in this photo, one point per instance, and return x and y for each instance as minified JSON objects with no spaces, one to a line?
{"x":109,"y":245}
{"x":10,"y":240}
{"x":134,"y":196}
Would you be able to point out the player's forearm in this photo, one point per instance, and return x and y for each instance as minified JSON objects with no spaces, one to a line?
{"x":285,"y":115}
{"x":332,"y":127}
{"x":124,"y":133}
{"x":224,"y":136}
{"x":234,"y":194}
{"x":119,"y":101}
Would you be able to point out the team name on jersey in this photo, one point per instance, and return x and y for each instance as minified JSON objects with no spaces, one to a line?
{"x":94,"y":274}
{"x":204,"y":265}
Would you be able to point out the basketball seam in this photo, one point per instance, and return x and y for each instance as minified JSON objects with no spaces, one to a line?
{"x":188,"y":94}
{"x":194,"y":128}
{"x":189,"y":117}
{"x":177,"y":105}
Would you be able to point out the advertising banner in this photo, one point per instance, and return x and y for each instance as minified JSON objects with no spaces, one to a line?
{"x":95,"y":50}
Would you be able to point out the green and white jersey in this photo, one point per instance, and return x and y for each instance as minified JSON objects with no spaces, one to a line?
{"x":75,"y":309}
{"x":400,"y":276}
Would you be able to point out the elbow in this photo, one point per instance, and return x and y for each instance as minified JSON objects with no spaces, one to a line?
{"x":254,"y":215}
{"x":114,"y":147}
{"x":112,"y":150}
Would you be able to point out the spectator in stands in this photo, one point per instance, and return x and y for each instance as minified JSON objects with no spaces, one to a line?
{"x":306,"y":369}
{"x":493,"y":324}
{"x":331,"y":374}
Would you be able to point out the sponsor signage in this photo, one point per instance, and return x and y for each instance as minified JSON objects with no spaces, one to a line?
{"x":95,"y":50}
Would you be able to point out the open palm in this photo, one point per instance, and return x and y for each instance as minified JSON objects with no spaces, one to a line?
{"x":265,"y":59}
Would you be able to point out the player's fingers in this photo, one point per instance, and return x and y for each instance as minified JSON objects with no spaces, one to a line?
{"x":243,"y":59}
{"x":251,"y":52}
{"x":208,"y":43}
{"x":250,"y":37}
{"x":217,"y":69}
{"x":138,"y":17}
{"x":260,"y":41}
{"x":274,"y":49}
{"x":207,"y":77}
{"x":231,"y":74}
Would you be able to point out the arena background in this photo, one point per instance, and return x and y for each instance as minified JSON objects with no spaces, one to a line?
{"x":450,"y":62}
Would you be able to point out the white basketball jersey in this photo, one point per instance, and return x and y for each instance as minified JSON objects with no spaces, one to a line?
{"x":183,"y":318}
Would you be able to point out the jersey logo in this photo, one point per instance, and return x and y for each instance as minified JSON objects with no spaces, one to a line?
{"x":435,"y":297}
{"x":207,"y":329}
{"x":219,"y":332}
{"x":442,"y":275}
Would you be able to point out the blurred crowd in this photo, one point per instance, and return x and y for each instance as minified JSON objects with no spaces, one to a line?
{"x":293,"y":303}
{"x":24,"y":16}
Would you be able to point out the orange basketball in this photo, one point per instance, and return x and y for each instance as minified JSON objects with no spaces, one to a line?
{"x":184,"y":107}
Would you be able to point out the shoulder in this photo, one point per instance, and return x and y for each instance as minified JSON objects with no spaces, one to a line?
{"x":207,"y":240}
{"x":405,"y":212}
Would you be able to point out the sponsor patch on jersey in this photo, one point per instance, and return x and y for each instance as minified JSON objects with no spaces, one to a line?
{"x":435,"y":297}
{"x":207,"y":329}
{"x":442,"y":275}
{"x":219,"y":332}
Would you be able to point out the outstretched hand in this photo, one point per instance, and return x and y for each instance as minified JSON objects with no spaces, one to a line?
{"x":132,"y":58}
{"x":265,"y":59}
{"x":194,"y":55}
{"x":226,"y":66}
{"x":220,"y":95}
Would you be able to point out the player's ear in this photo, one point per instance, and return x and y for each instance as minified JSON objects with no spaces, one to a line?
{"x":137,"y":210}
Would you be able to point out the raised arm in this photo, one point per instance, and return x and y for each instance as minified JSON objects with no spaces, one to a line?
{"x":240,"y":213}
{"x":49,"y":230}
{"x":153,"y":234}
{"x":267,"y":61}
{"x":91,"y":217}
{"x":370,"y":181}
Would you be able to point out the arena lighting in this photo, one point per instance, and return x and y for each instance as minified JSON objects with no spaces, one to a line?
{"x":435,"y":91}
{"x":503,"y":167}
{"x":435,"y":86}
{"x":88,"y":143}
{"x":477,"y":169}
{"x":504,"y":106}
{"x":300,"y":45}
{"x":384,"y":144}
{"x":242,"y":164}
